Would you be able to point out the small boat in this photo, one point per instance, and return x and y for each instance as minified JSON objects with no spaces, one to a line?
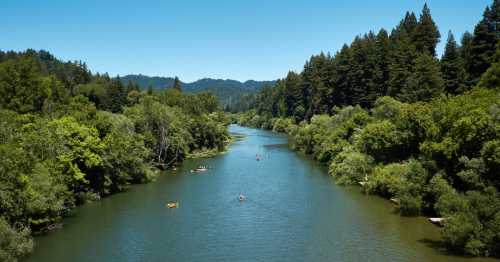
{"x":199,"y":169}
{"x":242,"y":198}
{"x":365,"y":180}
{"x":437,"y":221}
{"x":173,"y":204}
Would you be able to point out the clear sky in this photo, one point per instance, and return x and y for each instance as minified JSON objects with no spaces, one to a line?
{"x":236,"y":39}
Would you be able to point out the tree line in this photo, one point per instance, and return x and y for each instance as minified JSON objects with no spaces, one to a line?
{"x":387,"y":114}
{"x":68,"y":137}
{"x":400,"y":64}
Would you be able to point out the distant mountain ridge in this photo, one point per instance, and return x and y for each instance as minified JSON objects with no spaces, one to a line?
{"x":228,"y":91}
{"x":159,"y":82}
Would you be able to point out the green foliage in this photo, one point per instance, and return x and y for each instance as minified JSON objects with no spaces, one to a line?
{"x":452,"y":67}
{"x":233,"y":95}
{"x":388,"y":108}
{"x":64,"y":142}
{"x":29,"y":194}
{"x":426,"y":34}
{"x":71,"y":147}
{"x":425,"y":82}
{"x":293,"y":96}
{"x":410,"y":205}
{"x":177,"y":84}
{"x":14,"y":243}
{"x":21,"y":86}
{"x":403,"y":181}
{"x":471,"y":226}
{"x":439,"y":187}
{"x":383,"y":140}
{"x":282,"y":125}
{"x":402,"y":65}
{"x":325,"y":136}
{"x":431,"y":138}
{"x":491,"y":78}
{"x":402,"y":62}
{"x":350,"y":167}
{"x":106,"y":94}
{"x":438,"y":158}
{"x":384,"y":180}
{"x":170,"y":133}
{"x":465,"y":55}
{"x":123,"y":154}
{"x":482,"y":46}
{"x":458,"y":126}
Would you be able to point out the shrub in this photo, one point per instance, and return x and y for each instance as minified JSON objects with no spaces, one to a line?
{"x":282,"y":125}
{"x":409,"y":205}
{"x":14,"y":243}
{"x":383,"y":141}
{"x":387,"y":107}
{"x":350,"y":166}
{"x":385,"y":180}
{"x":459,"y":231}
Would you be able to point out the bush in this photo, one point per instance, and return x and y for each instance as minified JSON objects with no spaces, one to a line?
{"x":385,"y":180}
{"x":388,"y":108}
{"x":459,"y":231}
{"x":404,"y":181}
{"x":282,"y":125}
{"x":409,"y":205}
{"x":437,"y":188}
{"x":350,"y":167}
{"x":383,"y":141}
{"x":326,"y":135}
{"x":14,"y":243}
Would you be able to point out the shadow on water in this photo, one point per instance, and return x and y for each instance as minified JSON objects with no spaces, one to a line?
{"x":438,"y":246}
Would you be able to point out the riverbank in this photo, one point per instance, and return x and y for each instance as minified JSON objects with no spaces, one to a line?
{"x":294,"y":212}
{"x":64,"y":144}
{"x":207,"y":153}
{"x":427,"y":155}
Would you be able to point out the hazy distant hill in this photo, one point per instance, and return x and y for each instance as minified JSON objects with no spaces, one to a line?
{"x":228,"y":91}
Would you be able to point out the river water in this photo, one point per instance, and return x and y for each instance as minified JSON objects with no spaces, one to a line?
{"x":294,"y":212}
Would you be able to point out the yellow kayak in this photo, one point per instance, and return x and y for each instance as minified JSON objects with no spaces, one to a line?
{"x":173,"y":205}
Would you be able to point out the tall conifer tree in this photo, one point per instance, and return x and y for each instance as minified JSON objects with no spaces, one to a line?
{"x":452,"y":67}
{"x":341,"y":78}
{"x":425,"y":82}
{"x":486,"y":36}
{"x":426,"y":34}
{"x":293,"y":95}
{"x":177,"y":84}
{"x":402,"y":64}
{"x":383,"y":60}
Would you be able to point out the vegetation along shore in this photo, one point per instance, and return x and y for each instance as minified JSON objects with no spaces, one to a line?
{"x":386,"y":113}
{"x":68,"y":137}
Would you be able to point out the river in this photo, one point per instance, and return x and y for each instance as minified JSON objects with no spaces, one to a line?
{"x":294,"y":212}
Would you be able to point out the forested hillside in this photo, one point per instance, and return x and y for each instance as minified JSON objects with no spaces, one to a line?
{"x":229,"y":92}
{"x":386,"y":113}
{"x":68,"y":137}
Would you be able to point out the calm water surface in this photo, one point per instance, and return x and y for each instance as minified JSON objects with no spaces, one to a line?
{"x":294,"y":212}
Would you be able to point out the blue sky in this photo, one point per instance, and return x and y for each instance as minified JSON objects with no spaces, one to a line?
{"x":236,"y":39}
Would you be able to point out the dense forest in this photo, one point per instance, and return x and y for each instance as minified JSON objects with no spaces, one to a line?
{"x":386,"y":113}
{"x":68,"y":137}
{"x":232,"y":94}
